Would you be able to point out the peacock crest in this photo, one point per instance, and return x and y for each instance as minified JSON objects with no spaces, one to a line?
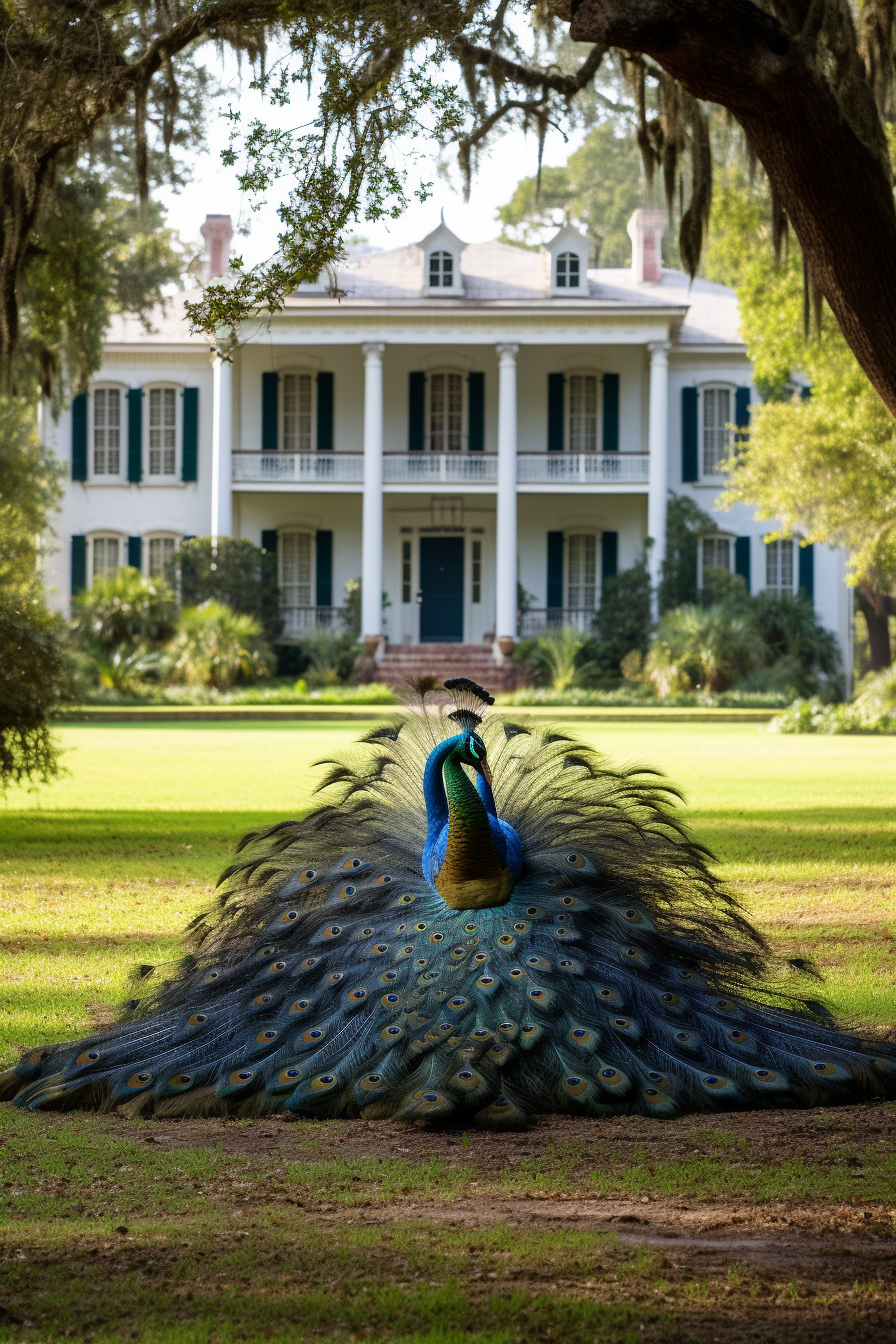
{"x":480,"y":921}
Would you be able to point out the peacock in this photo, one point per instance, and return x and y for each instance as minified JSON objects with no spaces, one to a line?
{"x":482,"y":921}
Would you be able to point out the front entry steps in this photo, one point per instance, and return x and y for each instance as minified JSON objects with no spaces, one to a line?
{"x":402,"y":663}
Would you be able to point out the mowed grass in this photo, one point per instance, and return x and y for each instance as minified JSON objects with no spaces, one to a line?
{"x":102,"y":870}
{"x":197,"y":1232}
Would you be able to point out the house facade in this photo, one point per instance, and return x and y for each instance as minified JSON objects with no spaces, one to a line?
{"x":451,"y":423}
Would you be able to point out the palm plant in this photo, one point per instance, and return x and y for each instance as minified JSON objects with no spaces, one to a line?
{"x":216,"y":647}
{"x":703,"y":648}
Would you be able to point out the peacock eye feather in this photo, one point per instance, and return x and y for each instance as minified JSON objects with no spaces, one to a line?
{"x":300,"y":1006}
{"x":197,"y":1019}
{"x":289,"y":916}
{"x":352,"y":863}
{"x":345,"y":892}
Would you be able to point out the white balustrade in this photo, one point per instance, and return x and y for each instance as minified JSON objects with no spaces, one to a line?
{"x":300,"y":620}
{"x":582,"y":468}
{"x":344,"y":468}
{"x":535,"y":620}
{"x":440,"y":468}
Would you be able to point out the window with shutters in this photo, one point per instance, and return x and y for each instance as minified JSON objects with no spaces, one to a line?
{"x":441,"y":270}
{"x":582,"y":397}
{"x":163,"y":417}
{"x":294,"y":553}
{"x":405,"y":571}
{"x":715,"y":553}
{"x":106,"y":456}
{"x":581,"y":571}
{"x":446,"y":412}
{"x":717,"y":415}
{"x":158,"y":552}
{"x":298,"y":412}
{"x":568,"y":271}
{"x":779,"y":566}
{"x":106,"y":556}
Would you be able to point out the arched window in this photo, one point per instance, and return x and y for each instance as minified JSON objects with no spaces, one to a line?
{"x":568,"y":270}
{"x":105,"y":555}
{"x":162,"y":440}
{"x":107,"y":424}
{"x":582,"y":434}
{"x":298,"y":412}
{"x":718,"y":413}
{"x":581,"y":571}
{"x":441,"y":270}
{"x":446,"y":412}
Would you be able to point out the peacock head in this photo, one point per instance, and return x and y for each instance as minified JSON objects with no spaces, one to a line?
{"x":472,"y":751}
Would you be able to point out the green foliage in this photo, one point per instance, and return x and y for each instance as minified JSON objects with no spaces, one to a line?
{"x":329,"y":659}
{"x":622,"y":624}
{"x":30,"y":488}
{"x":351,"y":608}
{"x":124,"y":610}
{"x":686,"y":523}
{"x":554,"y":658}
{"x":35,"y":677}
{"x":216,"y":648}
{"x":697,"y":647}
{"x":872,"y":711}
{"x":600,"y":186}
{"x":236,"y":573}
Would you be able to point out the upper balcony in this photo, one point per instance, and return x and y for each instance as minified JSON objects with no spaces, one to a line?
{"x":476,"y":472}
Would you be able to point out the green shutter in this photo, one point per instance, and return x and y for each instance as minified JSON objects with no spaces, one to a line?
{"x":135,"y":552}
{"x":269,"y":407}
{"x":689,"y":434}
{"x":476,"y":410}
{"x":555,"y":569}
{"x":416,"y":412}
{"x":611,"y":413}
{"x":269,"y":542}
{"x":135,"y":435}
{"x":742,"y":559}
{"x":323,"y":557}
{"x":555,"y":412}
{"x":807,"y":572}
{"x":79,"y":438}
{"x":189,"y":467}
{"x":79,"y":565}
{"x":742,"y":408}
{"x":609,"y":555}
{"x":325,"y":412}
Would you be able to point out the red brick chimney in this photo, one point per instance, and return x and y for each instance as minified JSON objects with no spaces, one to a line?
{"x":217,"y":232}
{"x":646,"y":229}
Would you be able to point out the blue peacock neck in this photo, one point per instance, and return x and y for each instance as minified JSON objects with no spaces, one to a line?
{"x":464,"y":858}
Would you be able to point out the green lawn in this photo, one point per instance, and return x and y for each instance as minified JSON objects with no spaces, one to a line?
{"x":219,"y":1232}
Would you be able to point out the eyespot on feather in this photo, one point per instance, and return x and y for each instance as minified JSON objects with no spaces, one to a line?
{"x":197,"y":1019}
{"x":300,"y":1006}
{"x":87,"y":1057}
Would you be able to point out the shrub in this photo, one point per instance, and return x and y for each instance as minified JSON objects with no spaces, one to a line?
{"x":235,"y":573}
{"x":706,"y":648}
{"x":622,"y":625}
{"x":686,"y":524}
{"x":216,"y":648}
{"x":124,"y":609}
{"x":872,"y":711}
{"x":553,"y":658}
{"x":35,"y":676}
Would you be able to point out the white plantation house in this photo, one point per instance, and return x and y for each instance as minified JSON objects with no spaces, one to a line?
{"x":460,"y":419}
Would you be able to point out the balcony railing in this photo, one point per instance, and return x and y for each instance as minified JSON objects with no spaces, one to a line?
{"x":302,"y":620}
{"x":438,"y":469}
{"x":536,"y":620}
{"x":306,"y":468}
{"x":582,"y":468}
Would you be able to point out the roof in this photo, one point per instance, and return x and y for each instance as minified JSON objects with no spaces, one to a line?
{"x":703,"y":313}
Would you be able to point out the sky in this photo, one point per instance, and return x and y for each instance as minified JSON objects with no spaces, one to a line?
{"x":214,"y":190}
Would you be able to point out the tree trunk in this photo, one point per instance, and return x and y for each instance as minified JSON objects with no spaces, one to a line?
{"x":876,"y":606}
{"x":832,"y":178}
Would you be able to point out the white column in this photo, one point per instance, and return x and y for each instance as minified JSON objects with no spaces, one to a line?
{"x":658,"y":444}
{"x":222,"y":449}
{"x":505,"y":575}
{"x":372,"y":518}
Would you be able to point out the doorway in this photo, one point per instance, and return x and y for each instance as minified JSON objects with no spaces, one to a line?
{"x":442,"y":588}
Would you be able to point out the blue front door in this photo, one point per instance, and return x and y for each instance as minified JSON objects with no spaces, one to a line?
{"x":442,"y":586}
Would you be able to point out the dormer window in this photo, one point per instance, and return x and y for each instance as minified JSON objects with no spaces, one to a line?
{"x":441,"y":270}
{"x":567,"y":271}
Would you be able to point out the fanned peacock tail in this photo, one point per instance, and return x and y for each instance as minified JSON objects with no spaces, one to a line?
{"x":331,"y":979}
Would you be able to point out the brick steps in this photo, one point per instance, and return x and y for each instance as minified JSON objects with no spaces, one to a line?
{"x":404,"y":662}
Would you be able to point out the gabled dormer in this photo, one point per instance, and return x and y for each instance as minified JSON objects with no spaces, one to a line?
{"x":442,"y":251}
{"x":567,"y":254}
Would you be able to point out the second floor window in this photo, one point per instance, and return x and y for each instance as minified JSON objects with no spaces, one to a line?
{"x":162,"y":431}
{"x":581,"y":578}
{"x":106,"y":556}
{"x":297,"y":412}
{"x":295,"y":569}
{"x":441,"y":270}
{"x":779,"y":566}
{"x":446,"y":412}
{"x":717,"y":416}
{"x":107,"y":431}
{"x":583,"y":413}
{"x":568,"y":271}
